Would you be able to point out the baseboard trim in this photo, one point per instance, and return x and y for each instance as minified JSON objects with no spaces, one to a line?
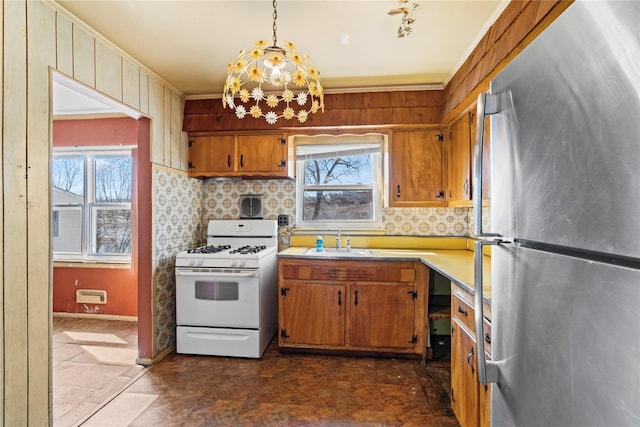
{"x":97,"y":316}
{"x":145,"y":361}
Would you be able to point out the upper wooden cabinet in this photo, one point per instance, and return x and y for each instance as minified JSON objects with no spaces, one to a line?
{"x":257,"y":156}
{"x":416,"y":168}
{"x":209,"y":154}
{"x":462,"y":137}
{"x":459,"y":162}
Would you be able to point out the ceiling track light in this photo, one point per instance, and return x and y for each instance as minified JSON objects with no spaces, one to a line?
{"x":273,"y":82}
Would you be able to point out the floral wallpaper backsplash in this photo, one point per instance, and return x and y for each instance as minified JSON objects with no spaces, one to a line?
{"x":177,"y":226}
{"x":221,"y":201}
{"x":183,"y":206}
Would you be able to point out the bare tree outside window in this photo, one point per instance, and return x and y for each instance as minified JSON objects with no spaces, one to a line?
{"x":67,"y":174}
{"x":113,"y":231}
{"x":95,"y":221}
{"x":331,"y":204}
{"x":339,"y":180}
{"x":113,"y":179}
{"x":112,"y":185}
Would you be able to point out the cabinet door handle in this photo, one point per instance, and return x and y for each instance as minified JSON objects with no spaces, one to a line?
{"x":461,"y":310}
{"x":487,"y":338}
{"x":356,"y":300}
{"x":466,"y":186}
{"x":470,"y":358}
{"x":241,"y":160}
{"x":398,"y":194}
{"x":229,"y":160}
{"x":339,"y":297}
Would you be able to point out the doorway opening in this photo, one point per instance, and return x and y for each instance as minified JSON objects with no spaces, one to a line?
{"x":100,"y":181}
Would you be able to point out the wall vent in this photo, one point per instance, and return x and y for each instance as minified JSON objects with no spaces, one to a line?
{"x":91,"y":296}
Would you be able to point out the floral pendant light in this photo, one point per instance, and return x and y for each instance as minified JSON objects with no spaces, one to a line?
{"x":273,"y":82}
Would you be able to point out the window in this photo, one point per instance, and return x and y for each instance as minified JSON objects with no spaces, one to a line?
{"x":91,"y":218}
{"x":339,"y":181}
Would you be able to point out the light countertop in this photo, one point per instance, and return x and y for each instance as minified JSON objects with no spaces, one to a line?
{"x":455,"y":264}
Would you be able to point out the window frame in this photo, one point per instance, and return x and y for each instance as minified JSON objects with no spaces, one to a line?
{"x":376,"y":186}
{"x":89,"y":206}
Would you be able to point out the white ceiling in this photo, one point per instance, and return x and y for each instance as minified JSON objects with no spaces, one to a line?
{"x":353,"y":43}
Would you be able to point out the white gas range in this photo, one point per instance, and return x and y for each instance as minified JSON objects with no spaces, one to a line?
{"x":226,"y":292}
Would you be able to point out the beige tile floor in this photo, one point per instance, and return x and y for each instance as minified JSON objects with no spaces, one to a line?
{"x":93,"y":361}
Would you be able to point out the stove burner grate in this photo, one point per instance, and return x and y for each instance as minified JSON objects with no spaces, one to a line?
{"x":211,"y":249}
{"x":248,"y":249}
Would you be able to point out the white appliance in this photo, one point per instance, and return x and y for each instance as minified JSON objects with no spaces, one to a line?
{"x":226,"y":292}
{"x":565,"y":162}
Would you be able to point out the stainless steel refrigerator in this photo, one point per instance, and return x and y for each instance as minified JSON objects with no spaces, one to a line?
{"x":564,"y":224}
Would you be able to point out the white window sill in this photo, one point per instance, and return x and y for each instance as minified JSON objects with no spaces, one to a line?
{"x":93,"y":264}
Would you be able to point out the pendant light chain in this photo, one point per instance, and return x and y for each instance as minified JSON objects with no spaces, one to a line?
{"x":275,"y":27}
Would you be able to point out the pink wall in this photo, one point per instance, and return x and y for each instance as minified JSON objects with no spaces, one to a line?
{"x":121,"y":284}
{"x":142,"y":243}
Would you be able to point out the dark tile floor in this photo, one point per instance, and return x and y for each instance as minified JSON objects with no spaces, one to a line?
{"x":283,"y":390}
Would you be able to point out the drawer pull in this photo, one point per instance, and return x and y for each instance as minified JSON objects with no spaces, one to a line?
{"x":339,"y":297}
{"x":356,"y":300}
{"x":461,"y":310}
{"x":487,"y":338}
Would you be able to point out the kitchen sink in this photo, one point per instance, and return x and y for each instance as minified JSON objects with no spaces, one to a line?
{"x":332,"y":252}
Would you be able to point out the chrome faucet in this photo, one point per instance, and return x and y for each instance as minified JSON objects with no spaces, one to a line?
{"x":338,"y":241}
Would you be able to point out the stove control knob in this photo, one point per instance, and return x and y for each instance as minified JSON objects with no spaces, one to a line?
{"x":200,"y":262}
{"x":192,"y":262}
{"x":241,"y":263}
{"x":234,"y":263}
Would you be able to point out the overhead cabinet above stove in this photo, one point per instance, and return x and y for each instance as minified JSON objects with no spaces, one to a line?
{"x":248,"y":156}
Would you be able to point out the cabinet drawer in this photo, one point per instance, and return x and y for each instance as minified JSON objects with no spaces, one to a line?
{"x":464,"y":312}
{"x":351,"y":274}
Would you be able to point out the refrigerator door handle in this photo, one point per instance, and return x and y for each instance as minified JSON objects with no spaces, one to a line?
{"x":487,"y":370}
{"x":487,"y":105}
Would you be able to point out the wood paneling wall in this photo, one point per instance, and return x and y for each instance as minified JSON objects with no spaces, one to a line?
{"x":515,"y":28}
{"x":349,"y":109}
{"x":520,"y":22}
{"x":36,"y":37}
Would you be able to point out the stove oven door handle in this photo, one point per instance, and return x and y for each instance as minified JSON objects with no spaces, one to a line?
{"x":212,"y":274}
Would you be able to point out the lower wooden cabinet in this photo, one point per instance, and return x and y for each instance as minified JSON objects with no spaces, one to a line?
{"x":351,"y":305}
{"x":383,"y":315}
{"x":464,"y":383}
{"x":470,"y":400}
{"x":314,"y":314}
